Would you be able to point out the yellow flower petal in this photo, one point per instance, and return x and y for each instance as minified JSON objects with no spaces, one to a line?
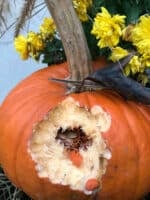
{"x":81,"y":7}
{"x":141,"y":35}
{"x":21,"y":46}
{"x":135,"y":64}
{"x":118,"y":53}
{"x":48,"y":28}
{"x":35,"y":40}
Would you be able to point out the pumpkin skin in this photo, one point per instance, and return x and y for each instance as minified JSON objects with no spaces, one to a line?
{"x":127,"y":175}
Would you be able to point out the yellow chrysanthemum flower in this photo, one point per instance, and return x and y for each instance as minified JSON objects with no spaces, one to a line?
{"x":48,"y":28}
{"x":21,"y":46}
{"x":134,"y":66}
{"x":35,"y":40}
{"x":145,"y":59}
{"x":118,"y":53}
{"x":81,"y":7}
{"x":35,"y":44}
{"x":141,"y":35}
{"x":107,"y":28}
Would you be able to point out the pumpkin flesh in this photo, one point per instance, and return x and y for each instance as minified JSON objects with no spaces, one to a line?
{"x":69,"y":128}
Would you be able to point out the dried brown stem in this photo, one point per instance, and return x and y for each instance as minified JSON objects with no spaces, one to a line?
{"x":25,"y":14}
{"x":73,"y":38}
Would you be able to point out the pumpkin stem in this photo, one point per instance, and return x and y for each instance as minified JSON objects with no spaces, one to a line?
{"x":73,"y":38}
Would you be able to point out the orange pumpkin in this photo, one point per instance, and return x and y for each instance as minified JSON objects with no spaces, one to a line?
{"x":107,"y":141}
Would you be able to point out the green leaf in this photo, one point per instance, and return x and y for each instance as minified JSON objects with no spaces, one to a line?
{"x":53,"y":53}
{"x":91,"y":40}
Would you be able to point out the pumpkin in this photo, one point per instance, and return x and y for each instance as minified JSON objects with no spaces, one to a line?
{"x":89,"y":145}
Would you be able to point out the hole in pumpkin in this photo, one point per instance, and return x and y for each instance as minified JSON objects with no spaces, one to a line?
{"x":73,"y":139}
{"x":68,"y":148}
